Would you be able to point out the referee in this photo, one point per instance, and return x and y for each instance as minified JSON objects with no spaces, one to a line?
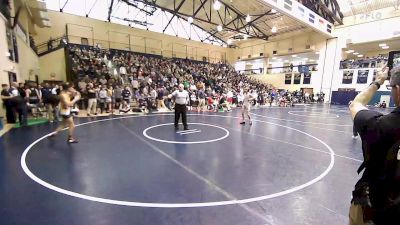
{"x":181,"y":99}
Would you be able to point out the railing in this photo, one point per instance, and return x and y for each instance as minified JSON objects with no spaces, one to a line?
{"x":277,"y":70}
{"x":51,"y":45}
{"x":110,"y":39}
{"x":171,"y":51}
{"x":5,"y":10}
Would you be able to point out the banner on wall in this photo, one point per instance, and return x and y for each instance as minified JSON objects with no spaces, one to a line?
{"x":347,"y":76}
{"x":307,"y":78}
{"x":297,"y":78}
{"x":288,"y":78}
{"x":362,"y":76}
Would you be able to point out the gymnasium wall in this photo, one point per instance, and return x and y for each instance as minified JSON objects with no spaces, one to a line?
{"x":28,"y":62}
{"x":5,"y":63}
{"x":377,"y":25}
{"x":358,"y":29}
{"x":53,"y":63}
{"x":28,"y":65}
{"x":297,"y":42}
{"x":122,"y":37}
{"x":278,"y":81}
{"x":338,"y":80}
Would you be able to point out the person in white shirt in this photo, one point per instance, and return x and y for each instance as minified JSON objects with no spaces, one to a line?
{"x":103,"y":98}
{"x":247,"y":98}
{"x":135,"y":84}
{"x":181,"y":97}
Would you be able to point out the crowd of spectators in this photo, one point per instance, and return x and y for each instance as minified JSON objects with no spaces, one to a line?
{"x":109,"y":78}
{"x":39,"y":100}
{"x":120,"y":82}
{"x":366,"y":62}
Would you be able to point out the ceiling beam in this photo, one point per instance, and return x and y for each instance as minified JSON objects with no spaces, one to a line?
{"x":200,"y":7}
{"x":180,"y":15}
{"x":257,"y":18}
{"x":328,"y":9}
{"x":329,"y":13}
{"x":176,"y":10}
{"x":62,"y":8}
{"x":110,"y":10}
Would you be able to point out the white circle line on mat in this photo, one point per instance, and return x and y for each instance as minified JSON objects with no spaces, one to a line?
{"x":298,"y":121}
{"x":177,"y":205}
{"x":185,"y":142}
{"x":313,"y":114}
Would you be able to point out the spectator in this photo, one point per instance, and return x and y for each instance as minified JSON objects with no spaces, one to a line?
{"x":50,"y":44}
{"x":117,"y":94}
{"x":48,"y":99}
{"x":383,"y":105}
{"x":34,"y":97}
{"x":18,"y":104}
{"x":103,"y":98}
{"x":160,"y":98}
{"x":126,"y":95}
{"x":5,"y":96}
{"x":124,"y":107}
{"x":92,"y":99}
{"x":202,"y":100}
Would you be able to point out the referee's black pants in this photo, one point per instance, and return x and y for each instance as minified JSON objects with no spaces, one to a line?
{"x":180,"y":109}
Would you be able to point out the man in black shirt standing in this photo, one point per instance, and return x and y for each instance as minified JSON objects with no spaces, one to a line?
{"x":5,"y":96}
{"x":376,"y":198}
{"x":21,"y":90}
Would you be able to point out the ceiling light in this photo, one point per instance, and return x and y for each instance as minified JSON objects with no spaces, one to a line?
{"x":286,"y":60}
{"x":217,"y":5}
{"x":229,"y":41}
{"x":273,"y":11}
{"x":219,"y":27}
{"x":359,"y":56}
{"x":274,"y":58}
{"x":294,"y":56}
{"x":385,"y":47}
{"x":248,"y":18}
{"x":349,"y":51}
{"x":190,"y":19}
{"x":355,"y":53}
{"x":312,"y":60}
{"x":274,"y":29}
{"x":317,"y":53}
{"x":383,"y":44}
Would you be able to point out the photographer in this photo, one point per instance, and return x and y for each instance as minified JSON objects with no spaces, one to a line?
{"x":376,"y":197}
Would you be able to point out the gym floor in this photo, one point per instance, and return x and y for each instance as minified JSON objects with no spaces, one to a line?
{"x":292,"y":166}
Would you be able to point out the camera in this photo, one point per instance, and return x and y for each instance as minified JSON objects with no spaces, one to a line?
{"x":393,"y":60}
